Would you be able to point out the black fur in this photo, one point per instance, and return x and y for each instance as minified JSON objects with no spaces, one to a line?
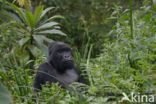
{"x":59,"y":67}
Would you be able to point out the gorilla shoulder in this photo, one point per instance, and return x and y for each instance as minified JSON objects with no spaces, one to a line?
{"x":44,"y":67}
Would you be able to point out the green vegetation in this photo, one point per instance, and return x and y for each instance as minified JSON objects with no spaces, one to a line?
{"x":114,"y":46}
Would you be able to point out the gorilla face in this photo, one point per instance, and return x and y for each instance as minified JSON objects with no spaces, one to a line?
{"x":60,"y":57}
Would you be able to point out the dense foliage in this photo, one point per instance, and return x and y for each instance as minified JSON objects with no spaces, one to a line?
{"x":114,"y":45}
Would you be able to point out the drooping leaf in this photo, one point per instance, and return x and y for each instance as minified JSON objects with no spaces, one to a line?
{"x":47,"y":25}
{"x":6,"y":16}
{"x":54,"y":31}
{"x":54,"y":17}
{"x":45,"y":11}
{"x":20,"y":12}
{"x":39,"y":41}
{"x":23,"y":41}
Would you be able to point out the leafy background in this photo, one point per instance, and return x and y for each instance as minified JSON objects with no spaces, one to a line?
{"x":114,"y":46}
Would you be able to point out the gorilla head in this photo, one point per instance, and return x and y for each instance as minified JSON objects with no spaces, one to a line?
{"x":60,"y":56}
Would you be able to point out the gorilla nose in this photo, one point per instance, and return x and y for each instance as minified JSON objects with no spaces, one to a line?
{"x":67,"y":57}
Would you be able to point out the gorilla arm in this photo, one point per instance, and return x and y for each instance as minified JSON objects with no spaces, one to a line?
{"x":42,"y":76}
{"x":38,"y":82}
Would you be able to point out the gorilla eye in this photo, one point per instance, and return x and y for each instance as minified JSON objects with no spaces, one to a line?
{"x":64,"y":50}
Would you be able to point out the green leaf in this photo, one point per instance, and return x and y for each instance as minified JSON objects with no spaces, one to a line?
{"x":30,"y":19}
{"x":20,"y":12}
{"x":47,"y":25}
{"x":54,"y":31}
{"x":5,"y":97}
{"x":37,"y":14}
{"x":23,"y":41}
{"x":154,"y":2}
{"x":45,"y":11}
{"x":20,"y":25}
{"x":41,"y":39}
{"x":40,"y":42}
{"x":54,"y":17}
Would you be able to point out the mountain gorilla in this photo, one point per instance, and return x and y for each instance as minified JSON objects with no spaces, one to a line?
{"x":59,"y":67}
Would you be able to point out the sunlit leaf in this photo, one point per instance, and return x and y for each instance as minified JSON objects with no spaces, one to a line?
{"x":23,"y":41}
{"x":41,"y":38}
{"x":30,"y":19}
{"x":47,"y":25}
{"x":52,"y":32}
{"x":45,"y":11}
{"x":37,"y":14}
{"x":24,"y":3}
{"x":54,"y":17}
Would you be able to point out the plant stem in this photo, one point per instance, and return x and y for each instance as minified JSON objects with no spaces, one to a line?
{"x":31,"y":57}
{"x":131,"y":18}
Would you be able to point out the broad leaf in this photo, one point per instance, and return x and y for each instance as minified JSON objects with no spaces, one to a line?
{"x":23,"y":41}
{"x":54,"y":31}
{"x":41,"y":39}
{"x":45,"y":11}
{"x":40,"y":42}
{"x":47,"y":25}
{"x":53,"y":17}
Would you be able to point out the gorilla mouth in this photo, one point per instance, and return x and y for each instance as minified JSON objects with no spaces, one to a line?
{"x":68,"y":64}
{"x":67,"y":61}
